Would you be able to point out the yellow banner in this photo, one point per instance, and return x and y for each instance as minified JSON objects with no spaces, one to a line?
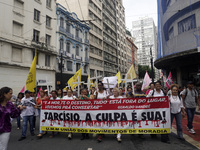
{"x":118,"y":75}
{"x":31,"y":79}
{"x":107,"y":131}
{"x":131,"y":71}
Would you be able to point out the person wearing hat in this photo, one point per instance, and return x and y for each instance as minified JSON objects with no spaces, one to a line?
{"x":190,"y":99}
{"x":27,"y":114}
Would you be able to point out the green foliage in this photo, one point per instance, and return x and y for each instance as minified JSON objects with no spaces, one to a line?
{"x":142,"y":70}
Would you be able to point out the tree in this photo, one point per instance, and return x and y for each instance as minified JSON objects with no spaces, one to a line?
{"x":142,"y":70}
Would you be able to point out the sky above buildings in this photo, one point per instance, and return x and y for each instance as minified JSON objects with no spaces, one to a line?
{"x":135,"y":9}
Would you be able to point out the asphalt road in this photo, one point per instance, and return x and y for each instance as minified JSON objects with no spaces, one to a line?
{"x":60,"y":142}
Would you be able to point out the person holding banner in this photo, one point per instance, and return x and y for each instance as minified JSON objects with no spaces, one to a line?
{"x":129,"y":93}
{"x":101,"y":94}
{"x":7,"y":111}
{"x":38,"y":103}
{"x":115,"y":96}
{"x":177,"y":109}
{"x":69,"y":96}
{"x":84,"y":96}
{"x":158,"y":92}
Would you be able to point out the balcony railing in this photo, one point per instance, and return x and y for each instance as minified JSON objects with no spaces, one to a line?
{"x":78,"y":57}
{"x":78,"y":39}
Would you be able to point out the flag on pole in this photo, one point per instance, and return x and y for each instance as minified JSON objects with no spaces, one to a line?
{"x":74,"y":79}
{"x":31,"y":79}
{"x":169,"y":80}
{"x":38,"y":95}
{"x":146,"y":81}
{"x":22,"y":90}
{"x":118,"y":75}
{"x":131,"y":71}
{"x":90,"y":81}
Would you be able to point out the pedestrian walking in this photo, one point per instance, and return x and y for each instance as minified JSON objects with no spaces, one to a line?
{"x":7,"y":111}
{"x":190,"y":100}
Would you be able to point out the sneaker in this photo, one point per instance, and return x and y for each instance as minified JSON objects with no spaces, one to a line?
{"x":188,"y":129}
{"x":21,"y":138}
{"x":70,"y":136}
{"x":18,"y":128}
{"x":99,"y":139}
{"x":182,"y":139}
{"x":192,"y":131}
{"x":119,"y":140}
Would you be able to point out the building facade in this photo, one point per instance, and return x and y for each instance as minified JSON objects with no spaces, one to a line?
{"x":26,"y":26}
{"x":107,"y":34}
{"x":121,"y":37}
{"x":73,"y":42}
{"x":144,"y":31}
{"x":179,"y":40}
{"x":131,"y":52}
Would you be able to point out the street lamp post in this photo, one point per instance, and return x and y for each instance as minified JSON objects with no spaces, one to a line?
{"x":152,"y":74}
{"x":61,"y":72}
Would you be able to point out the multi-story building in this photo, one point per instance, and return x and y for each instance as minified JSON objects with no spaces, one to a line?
{"x":144,"y":31}
{"x":73,"y":43}
{"x":109,"y":38}
{"x":107,"y":34}
{"x":91,"y":11}
{"x":131,"y":52}
{"x":121,"y":37}
{"x":179,"y":40}
{"x":27,"y":25}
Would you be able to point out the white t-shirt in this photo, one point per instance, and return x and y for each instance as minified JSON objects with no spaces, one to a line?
{"x":175,"y":104}
{"x":102,"y":95}
{"x":29,"y":110}
{"x":58,"y":98}
{"x":69,"y":98}
{"x":112,"y":97}
{"x":156,"y":94}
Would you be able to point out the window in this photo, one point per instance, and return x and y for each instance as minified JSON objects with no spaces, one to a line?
{"x":186,"y":24}
{"x":86,"y":53}
{"x":68,"y":27}
{"x":77,"y":50}
{"x":77,"y":32}
{"x":48,"y":21}
{"x":61,"y":44}
{"x":17,"y":29}
{"x":68,"y":47}
{"x":36,"y":15}
{"x":48,"y":39}
{"x":171,"y":33}
{"x":36,"y":35}
{"x":48,"y":3}
{"x":78,"y":66}
{"x":86,"y":35}
{"x":16,"y":54}
{"x":61,"y":22}
{"x":47,"y":60}
{"x":69,"y":66}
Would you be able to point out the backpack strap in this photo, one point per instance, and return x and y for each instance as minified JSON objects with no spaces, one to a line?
{"x":153,"y":93}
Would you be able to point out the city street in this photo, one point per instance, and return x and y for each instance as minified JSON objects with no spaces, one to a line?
{"x":60,"y":141}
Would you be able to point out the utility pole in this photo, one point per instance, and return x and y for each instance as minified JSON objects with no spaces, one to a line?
{"x":152,"y":74}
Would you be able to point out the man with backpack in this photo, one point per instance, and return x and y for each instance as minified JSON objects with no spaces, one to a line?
{"x":190,"y":99}
{"x":158,"y":92}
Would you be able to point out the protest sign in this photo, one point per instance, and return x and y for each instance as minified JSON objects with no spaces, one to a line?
{"x":112,"y":116}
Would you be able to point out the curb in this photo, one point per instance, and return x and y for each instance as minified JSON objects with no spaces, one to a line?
{"x":188,"y":139}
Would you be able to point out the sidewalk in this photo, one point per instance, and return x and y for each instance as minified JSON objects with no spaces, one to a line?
{"x":196,"y":125}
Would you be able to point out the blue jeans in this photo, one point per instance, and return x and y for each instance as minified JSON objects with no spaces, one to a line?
{"x":178,"y":119}
{"x":18,"y":121}
{"x":25,"y":122}
{"x":190,"y":116}
{"x":39,"y":112}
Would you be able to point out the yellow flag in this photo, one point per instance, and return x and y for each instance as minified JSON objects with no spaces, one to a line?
{"x":118,"y":75}
{"x":74,"y":79}
{"x":31,"y":79}
{"x":131,"y":71}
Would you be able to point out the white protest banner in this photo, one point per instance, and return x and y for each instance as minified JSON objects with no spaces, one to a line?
{"x":125,"y":116}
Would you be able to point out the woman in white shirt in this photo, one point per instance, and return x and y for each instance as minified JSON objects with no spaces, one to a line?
{"x":69,"y":95}
{"x":114,"y":96}
{"x":177,"y":110}
{"x":101,"y":94}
